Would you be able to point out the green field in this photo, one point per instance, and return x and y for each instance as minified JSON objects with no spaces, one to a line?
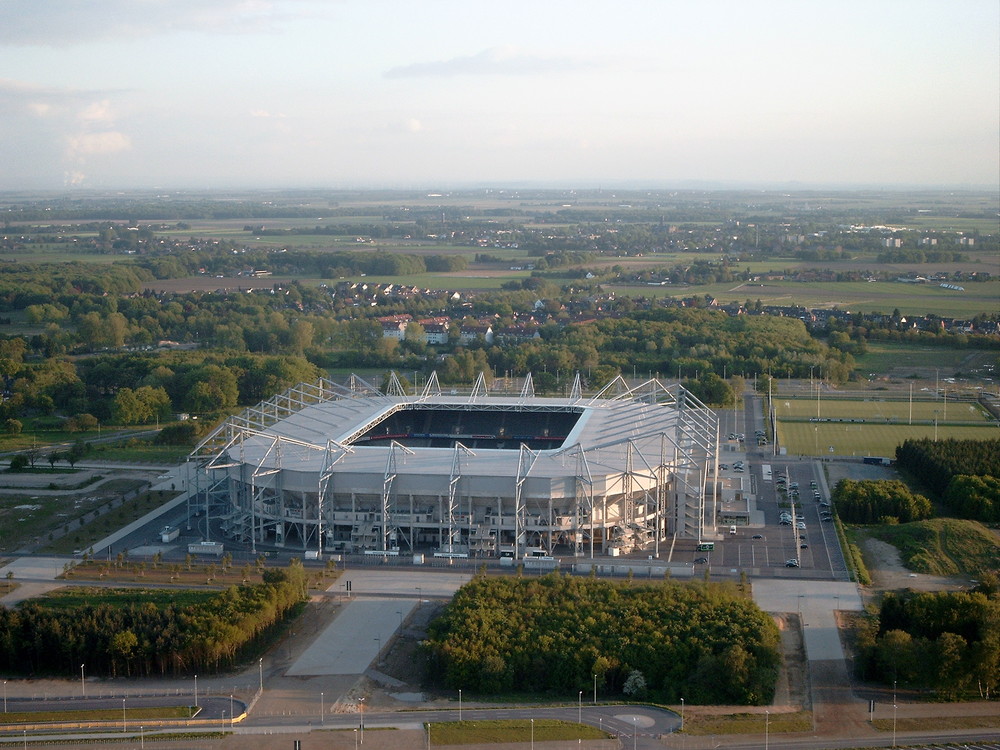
{"x":883,"y":357}
{"x":846,"y":439}
{"x":909,"y":299}
{"x":880,"y":410}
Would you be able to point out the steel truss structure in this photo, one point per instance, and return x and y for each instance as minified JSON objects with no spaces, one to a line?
{"x":639,"y":467}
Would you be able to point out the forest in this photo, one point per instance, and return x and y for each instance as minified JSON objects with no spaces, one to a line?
{"x":879,"y":501}
{"x":130,"y":633}
{"x":663,"y":641}
{"x":964,"y":474}
{"x":948,"y":642}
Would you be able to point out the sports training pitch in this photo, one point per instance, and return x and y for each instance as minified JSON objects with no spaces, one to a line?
{"x":875,"y":409}
{"x":885,"y":424}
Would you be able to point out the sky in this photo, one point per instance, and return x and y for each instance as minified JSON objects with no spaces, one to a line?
{"x":194,"y":94}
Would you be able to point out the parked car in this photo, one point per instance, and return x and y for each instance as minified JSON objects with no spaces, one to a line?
{"x":700,"y":560}
{"x":792,"y":563}
{"x":757,"y":536}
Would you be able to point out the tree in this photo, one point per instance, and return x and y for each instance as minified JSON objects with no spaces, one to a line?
{"x":13,"y":426}
{"x":635,"y":684}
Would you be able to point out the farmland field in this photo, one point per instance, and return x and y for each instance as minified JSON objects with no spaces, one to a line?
{"x":909,"y":299}
{"x":847,"y":439}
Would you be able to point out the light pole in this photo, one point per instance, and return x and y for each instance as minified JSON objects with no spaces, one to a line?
{"x":321,"y":708}
{"x":767,"y":727}
{"x":260,"y":670}
{"x":142,"y":738}
{"x":460,"y":704}
{"x":635,"y":730}
{"x":595,"y":689}
{"x":532,"y":734}
{"x":361,"y":705}
{"x":123,"y":715}
{"x":579,"y":709}
{"x":355,"y":739}
{"x":196,"y":691}
{"x":83,"y":685}
{"x":894,"y":723}
{"x":231,"y":712}
{"x":682,"y":714}
{"x":5,"y":696}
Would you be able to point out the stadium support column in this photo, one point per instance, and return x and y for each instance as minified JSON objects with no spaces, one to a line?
{"x":584,"y":487}
{"x":456,"y":475}
{"x":715,"y":478}
{"x":387,"y":481}
{"x":526,"y":459}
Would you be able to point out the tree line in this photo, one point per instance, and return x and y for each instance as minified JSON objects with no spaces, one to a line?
{"x":965,"y":474}
{"x":553,"y":634}
{"x":143,"y":636}
{"x":879,"y":501}
{"x":948,"y":642}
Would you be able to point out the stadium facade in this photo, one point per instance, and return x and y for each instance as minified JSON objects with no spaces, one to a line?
{"x":325,"y":467}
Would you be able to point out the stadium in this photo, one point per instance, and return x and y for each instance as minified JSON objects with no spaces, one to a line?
{"x":347,"y":468}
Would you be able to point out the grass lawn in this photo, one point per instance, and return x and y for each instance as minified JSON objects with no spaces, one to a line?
{"x":878,"y":408}
{"x":97,"y":714}
{"x":943,"y":546}
{"x":746,"y":723}
{"x":513,"y":730}
{"x":937,"y":723}
{"x":817,"y":438}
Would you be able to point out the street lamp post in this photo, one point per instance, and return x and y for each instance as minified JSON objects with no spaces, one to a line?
{"x":142,"y":738}
{"x":321,"y":708}
{"x":579,"y":709}
{"x":635,"y":730}
{"x":123,"y":715}
{"x":232,"y":716}
{"x":595,"y":689}
{"x":196,"y":691}
{"x":355,"y":739}
{"x":5,"y":696}
{"x":460,"y":704}
{"x":83,"y":685}
{"x":260,"y":671}
{"x":894,"y":724}
{"x":767,"y":727}
{"x":682,"y":714}
{"x":532,"y":734}
{"x":361,"y":706}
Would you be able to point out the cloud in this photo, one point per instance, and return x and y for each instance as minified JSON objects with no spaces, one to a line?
{"x":63,"y":23}
{"x":496,"y":61}
{"x":267,"y":115}
{"x":82,"y":145}
{"x":96,"y":112}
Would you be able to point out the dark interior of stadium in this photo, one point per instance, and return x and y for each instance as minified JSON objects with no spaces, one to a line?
{"x":474,"y":428}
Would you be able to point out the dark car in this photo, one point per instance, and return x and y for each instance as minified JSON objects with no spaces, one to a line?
{"x":700,"y":560}
{"x":793,"y":563}
{"x":804,"y":545}
{"x":757,"y":536}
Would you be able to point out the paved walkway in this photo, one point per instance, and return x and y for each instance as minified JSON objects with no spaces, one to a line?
{"x":355,"y":639}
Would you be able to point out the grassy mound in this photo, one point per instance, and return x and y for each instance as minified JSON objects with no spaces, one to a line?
{"x":944,"y":546}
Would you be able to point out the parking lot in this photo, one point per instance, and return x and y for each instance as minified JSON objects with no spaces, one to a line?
{"x":791,"y":534}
